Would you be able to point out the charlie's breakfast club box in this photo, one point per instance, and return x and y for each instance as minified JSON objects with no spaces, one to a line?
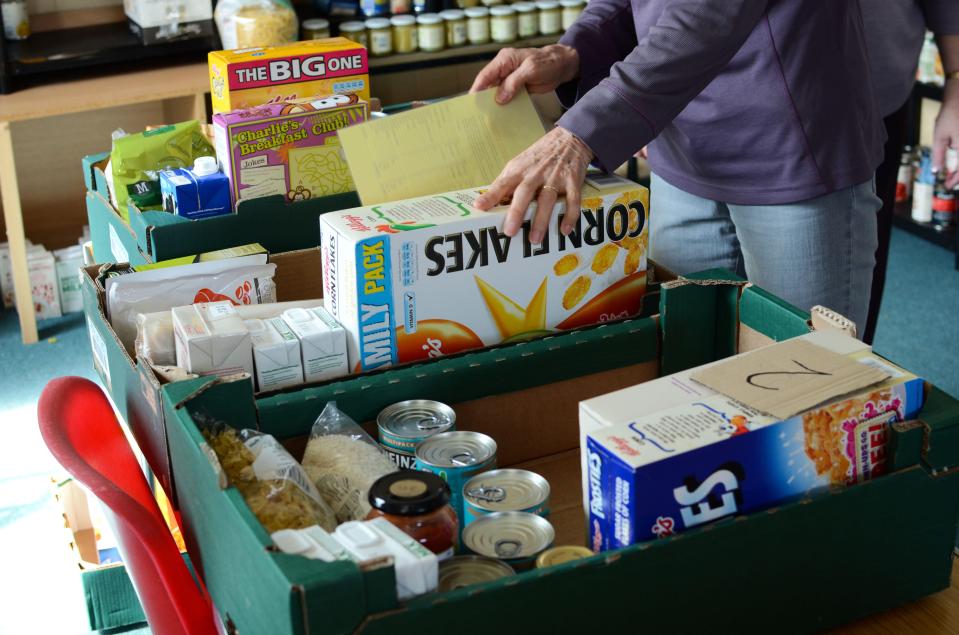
{"x":251,"y":77}
{"x":432,"y":276}
{"x":706,"y":456}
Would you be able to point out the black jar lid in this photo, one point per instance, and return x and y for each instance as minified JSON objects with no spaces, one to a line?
{"x":409,"y":493}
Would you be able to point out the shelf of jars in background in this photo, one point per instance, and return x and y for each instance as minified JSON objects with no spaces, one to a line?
{"x":450,"y":33}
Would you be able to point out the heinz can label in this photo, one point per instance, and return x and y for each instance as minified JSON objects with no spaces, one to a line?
{"x":456,"y":457}
{"x":505,"y":490}
{"x":404,"y":425}
{"x":516,"y":538}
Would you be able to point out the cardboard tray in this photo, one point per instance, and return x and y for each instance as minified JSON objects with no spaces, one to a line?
{"x":154,"y":236}
{"x":827,"y":559}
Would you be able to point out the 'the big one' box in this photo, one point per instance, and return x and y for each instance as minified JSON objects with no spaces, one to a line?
{"x":432,"y":276}
{"x":251,"y":77}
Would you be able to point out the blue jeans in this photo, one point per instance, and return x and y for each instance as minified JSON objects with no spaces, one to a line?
{"x":820,"y":251}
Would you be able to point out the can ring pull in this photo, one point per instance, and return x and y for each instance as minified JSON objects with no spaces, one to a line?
{"x":429,"y":422}
{"x":507,"y":548}
{"x":463,"y":458}
{"x":488,"y":494}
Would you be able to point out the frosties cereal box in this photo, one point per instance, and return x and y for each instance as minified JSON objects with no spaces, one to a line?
{"x":681,"y":467}
{"x":252,"y":77}
{"x":289,"y":148}
{"x":433,"y":276}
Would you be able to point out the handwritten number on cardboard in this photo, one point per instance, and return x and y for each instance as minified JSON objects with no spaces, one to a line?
{"x":806,"y":371}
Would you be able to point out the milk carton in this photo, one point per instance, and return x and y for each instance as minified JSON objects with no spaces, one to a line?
{"x":433,"y":276}
{"x":276,"y":354}
{"x":322,"y":343}
{"x":211,"y":339}
{"x":680,"y":467}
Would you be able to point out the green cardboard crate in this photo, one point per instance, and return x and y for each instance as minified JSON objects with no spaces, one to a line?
{"x":153,"y":236}
{"x":820,"y":562}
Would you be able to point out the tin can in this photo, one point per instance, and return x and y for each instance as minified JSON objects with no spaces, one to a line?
{"x":505,"y":490}
{"x":462,"y":571}
{"x":564,"y":553}
{"x":517,"y":538}
{"x":404,"y":425}
{"x":456,"y":457}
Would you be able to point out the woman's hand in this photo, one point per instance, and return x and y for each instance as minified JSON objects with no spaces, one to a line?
{"x":946,"y":132}
{"x":553,"y":166}
{"x":540,"y":70}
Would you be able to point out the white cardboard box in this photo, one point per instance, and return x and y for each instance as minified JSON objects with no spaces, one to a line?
{"x":276,"y":354}
{"x":69,"y":261}
{"x":322,"y":343}
{"x":211,"y":339}
{"x":44,"y":284}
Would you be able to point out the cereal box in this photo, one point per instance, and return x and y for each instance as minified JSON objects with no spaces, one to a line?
{"x":432,"y":276}
{"x":678,"y":468}
{"x":252,"y":77}
{"x":288,"y":148}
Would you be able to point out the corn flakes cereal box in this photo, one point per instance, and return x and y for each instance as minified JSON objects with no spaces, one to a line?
{"x":289,"y":148}
{"x":433,"y":276}
{"x":694,"y":463}
{"x":245,"y":78}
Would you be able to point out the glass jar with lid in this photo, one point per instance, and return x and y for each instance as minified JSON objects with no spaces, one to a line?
{"x":315,"y":29}
{"x":477,"y":25}
{"x":404,"y":33}
{"x":355,"y":31}
{"x":430,"y":34}
{"x":570,"y":10}
{"x":455,"y":21}
{"x":550,"y":17}
{"x":381,"y":36}
{"x":492,"y":3}
{"x":502,"y":25}
{"x":527,"y":20}
{"x":418,"y":503}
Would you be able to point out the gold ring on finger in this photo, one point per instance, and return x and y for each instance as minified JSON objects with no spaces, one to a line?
{"x":551,"y":188}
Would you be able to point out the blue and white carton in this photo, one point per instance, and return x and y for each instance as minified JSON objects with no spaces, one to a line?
{"x":707,"y":457}
{"x":195,"y":193}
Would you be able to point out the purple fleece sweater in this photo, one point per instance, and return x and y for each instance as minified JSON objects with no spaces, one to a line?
{"x":753,"y":102}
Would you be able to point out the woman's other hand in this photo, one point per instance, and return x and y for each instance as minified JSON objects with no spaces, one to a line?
{"x":540,"y":70}
{"x":553,"y":166}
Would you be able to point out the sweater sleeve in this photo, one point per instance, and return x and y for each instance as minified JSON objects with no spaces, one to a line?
{"x":942,"y":16}
{"x":683,"y":52}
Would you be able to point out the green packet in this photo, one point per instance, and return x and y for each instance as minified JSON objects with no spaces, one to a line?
{"x":137,"y":159}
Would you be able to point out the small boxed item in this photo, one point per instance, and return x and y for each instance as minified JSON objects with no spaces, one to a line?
{"x":432,"y":276}
{"x":69,"y":261}
{"x":276,"y":354}
{"x":669,"y":470}
{"x":160,"y":21}
{"x":44,"y":283}
{"x":211,"y":339}
{"x":200,"y":192}
{"x":288,"y":148}
{"x":251,"y":77}
{"x":322,"y":342}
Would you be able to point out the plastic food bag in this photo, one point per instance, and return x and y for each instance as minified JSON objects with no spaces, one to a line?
{"x":155,"y":340}
{"x":243,"y":280}
{"x":254,"y":23}
{"x":343,"y":462}
{"x":137,"y":159}
{"x":273,"y":484}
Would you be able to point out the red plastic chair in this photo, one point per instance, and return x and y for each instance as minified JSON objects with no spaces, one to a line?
{"x":79,"y":426}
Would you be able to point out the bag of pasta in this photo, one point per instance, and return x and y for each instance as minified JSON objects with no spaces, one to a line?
{"x":343,"y":462}
{"x":273,"y":484}
{"x":255,"y":23}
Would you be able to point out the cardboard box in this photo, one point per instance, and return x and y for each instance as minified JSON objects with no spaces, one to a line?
{"x":133,"y":384}
{"x":276,"y":354}
{"x":671,"y":469}
{"x":195,"y":195}
{"x":322,"y":343}
{"x":315,"y":68}
{"x":44,"y":283}
{"x":154,"y":236}
{"x":288,"y":148}
{"x":211,"y":339}
{"x":69,"y":262}
{"x":433,"y":276}
{"x":525,"y":396}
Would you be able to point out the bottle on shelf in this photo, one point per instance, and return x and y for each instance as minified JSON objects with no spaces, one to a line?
{"x":943,"y":203}
{"x":906,"y":175}
{"x":923,"y":188}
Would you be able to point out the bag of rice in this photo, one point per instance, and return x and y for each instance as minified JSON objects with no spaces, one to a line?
{"x":343,"y":462}
{"x":273,"y":484}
